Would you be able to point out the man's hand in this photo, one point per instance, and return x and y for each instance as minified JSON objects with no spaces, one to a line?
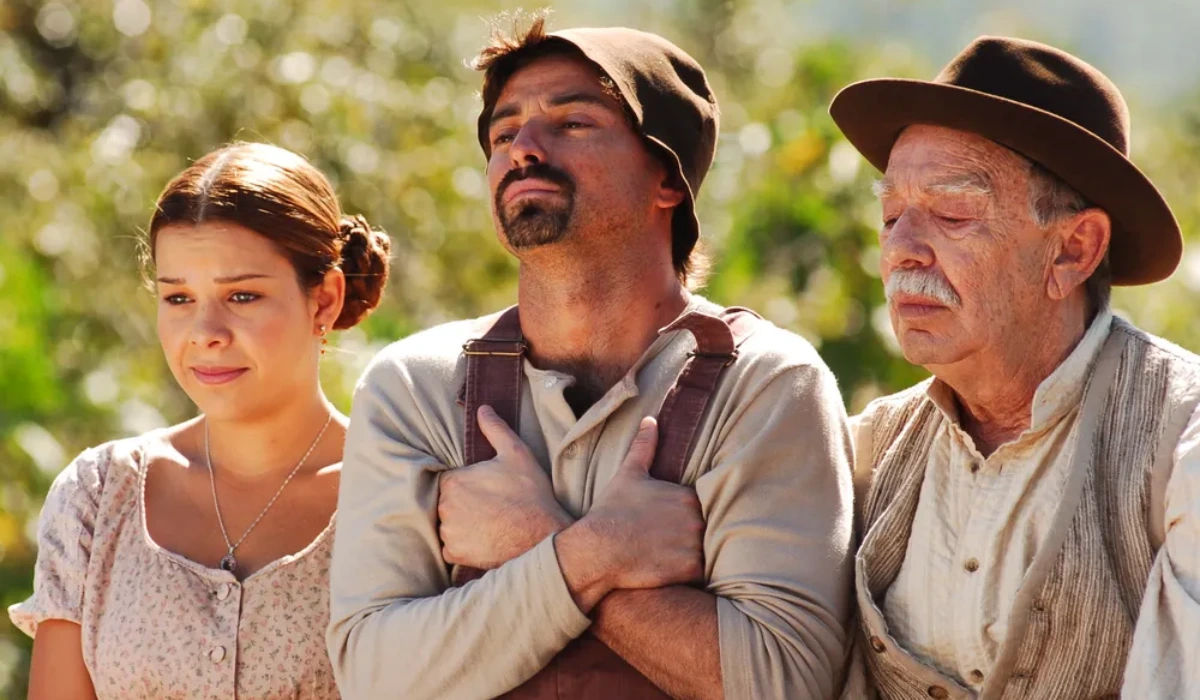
{"x":640,"y":533}
{"x":496,"y":510}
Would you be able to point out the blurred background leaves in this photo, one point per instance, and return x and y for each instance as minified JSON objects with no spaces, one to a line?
{"x":103,"y":101}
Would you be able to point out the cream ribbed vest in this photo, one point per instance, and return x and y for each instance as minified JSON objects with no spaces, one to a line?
{"x":1073,"y":619}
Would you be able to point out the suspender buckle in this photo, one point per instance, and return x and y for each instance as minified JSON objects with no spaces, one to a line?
{"x":469,"y":348}
{"x":716,"y":356}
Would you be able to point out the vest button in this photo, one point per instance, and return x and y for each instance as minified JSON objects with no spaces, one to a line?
{"x":877,"y":645}
{"x":938,"y":692}
{"x":972,"y":565}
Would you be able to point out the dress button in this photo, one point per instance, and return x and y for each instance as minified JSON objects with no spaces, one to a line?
{"x":571,"y":451}
{"x":938,"y":692}
{"x":972,"y":565}
{"x":217,"y":654}
{"x":976,"y":676}
{"x":878,"y":645}
{"x":223,"y":591}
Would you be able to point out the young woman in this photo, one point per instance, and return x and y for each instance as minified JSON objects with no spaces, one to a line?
{"x":193,"y":561}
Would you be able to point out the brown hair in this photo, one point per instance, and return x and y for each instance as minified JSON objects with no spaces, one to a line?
{"x":282,"y":197}
{"x":518,"y":38}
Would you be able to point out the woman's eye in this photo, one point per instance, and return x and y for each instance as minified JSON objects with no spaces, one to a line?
{"x":243,"y":297}
{"x":176,"y":299}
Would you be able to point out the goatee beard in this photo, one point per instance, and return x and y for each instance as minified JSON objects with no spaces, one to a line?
{"x":536,"y":223}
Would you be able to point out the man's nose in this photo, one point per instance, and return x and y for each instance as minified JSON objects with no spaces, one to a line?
{"x":529,"y":145}
{"x":904,"y":245}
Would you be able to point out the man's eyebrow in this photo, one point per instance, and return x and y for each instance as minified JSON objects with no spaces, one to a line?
{"x":883,"y":188}
{"x":504,"y":112}
{"x":566,"y":98}
{"x":970,"y":183}
{"x":581,"y":97}
{"x":232,"y":279}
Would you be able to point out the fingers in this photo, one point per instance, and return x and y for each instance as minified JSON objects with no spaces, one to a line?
{"x":641,"y":452}
{"x":498,"y":434}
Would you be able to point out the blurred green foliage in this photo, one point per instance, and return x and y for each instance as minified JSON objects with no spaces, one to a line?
{"x":101,"y":102}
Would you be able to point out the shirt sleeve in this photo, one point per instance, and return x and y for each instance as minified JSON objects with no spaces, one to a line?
{"x":779,"y":513}
{"x":65,"y":529}
{"x":396,"y":627}
{"x":1166,"y":642}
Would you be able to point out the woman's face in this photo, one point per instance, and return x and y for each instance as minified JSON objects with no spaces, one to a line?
{"x":240,"y":334}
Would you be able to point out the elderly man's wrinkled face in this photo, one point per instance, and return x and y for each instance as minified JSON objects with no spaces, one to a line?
{"x":964,"y":264}
{"x":566,"y":161}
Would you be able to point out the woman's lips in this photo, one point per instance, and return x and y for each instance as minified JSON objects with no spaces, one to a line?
{"x":217,"y":375}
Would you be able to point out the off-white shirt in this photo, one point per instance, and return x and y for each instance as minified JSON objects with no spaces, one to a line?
{"x":771,"y":467}
{"x":980,"y":521}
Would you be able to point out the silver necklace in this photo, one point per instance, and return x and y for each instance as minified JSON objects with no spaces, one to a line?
{"x":228,"y":562}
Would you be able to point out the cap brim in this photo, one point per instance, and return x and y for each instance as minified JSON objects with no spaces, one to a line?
{"x":1146,"y":241}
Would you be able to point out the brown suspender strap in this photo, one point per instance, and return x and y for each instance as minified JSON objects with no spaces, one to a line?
{"x":494,"y":371}
{"x":717,"y":341}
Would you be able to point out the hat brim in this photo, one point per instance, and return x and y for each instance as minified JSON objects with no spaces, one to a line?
{"x":1146,"y":243}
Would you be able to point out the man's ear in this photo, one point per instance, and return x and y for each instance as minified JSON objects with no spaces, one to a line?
{"x":671,"y":190}
{"x":1083,"y":243}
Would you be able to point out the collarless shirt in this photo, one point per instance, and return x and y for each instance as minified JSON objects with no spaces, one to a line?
{"x":980,"y":521}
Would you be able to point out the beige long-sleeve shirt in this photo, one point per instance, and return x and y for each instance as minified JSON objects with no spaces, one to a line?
{"x":994,"y":512}
{"x":771,"y":468}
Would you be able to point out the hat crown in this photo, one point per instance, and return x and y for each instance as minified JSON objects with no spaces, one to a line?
{"x":1046,"y":78}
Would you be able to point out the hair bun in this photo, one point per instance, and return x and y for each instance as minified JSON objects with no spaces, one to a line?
{"x":364,"y":261}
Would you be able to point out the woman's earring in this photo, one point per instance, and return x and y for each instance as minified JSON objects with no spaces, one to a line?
{"x":324,"y":340}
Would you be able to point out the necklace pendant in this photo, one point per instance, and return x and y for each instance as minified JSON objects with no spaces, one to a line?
{"x":228,"y":563}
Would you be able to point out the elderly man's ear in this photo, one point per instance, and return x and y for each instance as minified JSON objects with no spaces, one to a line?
{"x":1082,"y":242}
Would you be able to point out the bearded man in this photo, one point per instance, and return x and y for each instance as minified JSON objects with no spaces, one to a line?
{"x":1029,"y":516}
{"x":702,"y":556}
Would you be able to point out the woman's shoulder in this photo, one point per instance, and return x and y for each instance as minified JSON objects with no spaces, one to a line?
{"x":117,"y":461}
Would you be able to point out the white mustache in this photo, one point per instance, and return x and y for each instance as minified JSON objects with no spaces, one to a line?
{"x":922,"y":283}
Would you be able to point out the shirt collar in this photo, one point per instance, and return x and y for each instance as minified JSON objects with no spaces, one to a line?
{"x":1057,"y":393}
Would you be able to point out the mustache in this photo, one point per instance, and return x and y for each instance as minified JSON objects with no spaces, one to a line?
{"x":540,"y":171}
{"x":925,"y":283}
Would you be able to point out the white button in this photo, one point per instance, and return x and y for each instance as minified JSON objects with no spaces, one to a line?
{"x":223,"y":591}
{"x":217,"y":654}
{"x":550,"y":382}
{"x":571,"y":451}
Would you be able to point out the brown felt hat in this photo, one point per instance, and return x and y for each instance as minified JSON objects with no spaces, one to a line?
{"x":1050,"y":107}
{"x":669,"y":98}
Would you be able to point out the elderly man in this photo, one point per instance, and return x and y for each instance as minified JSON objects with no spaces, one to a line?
{"x":1030,"y":516}
{"x":597,"y":140}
